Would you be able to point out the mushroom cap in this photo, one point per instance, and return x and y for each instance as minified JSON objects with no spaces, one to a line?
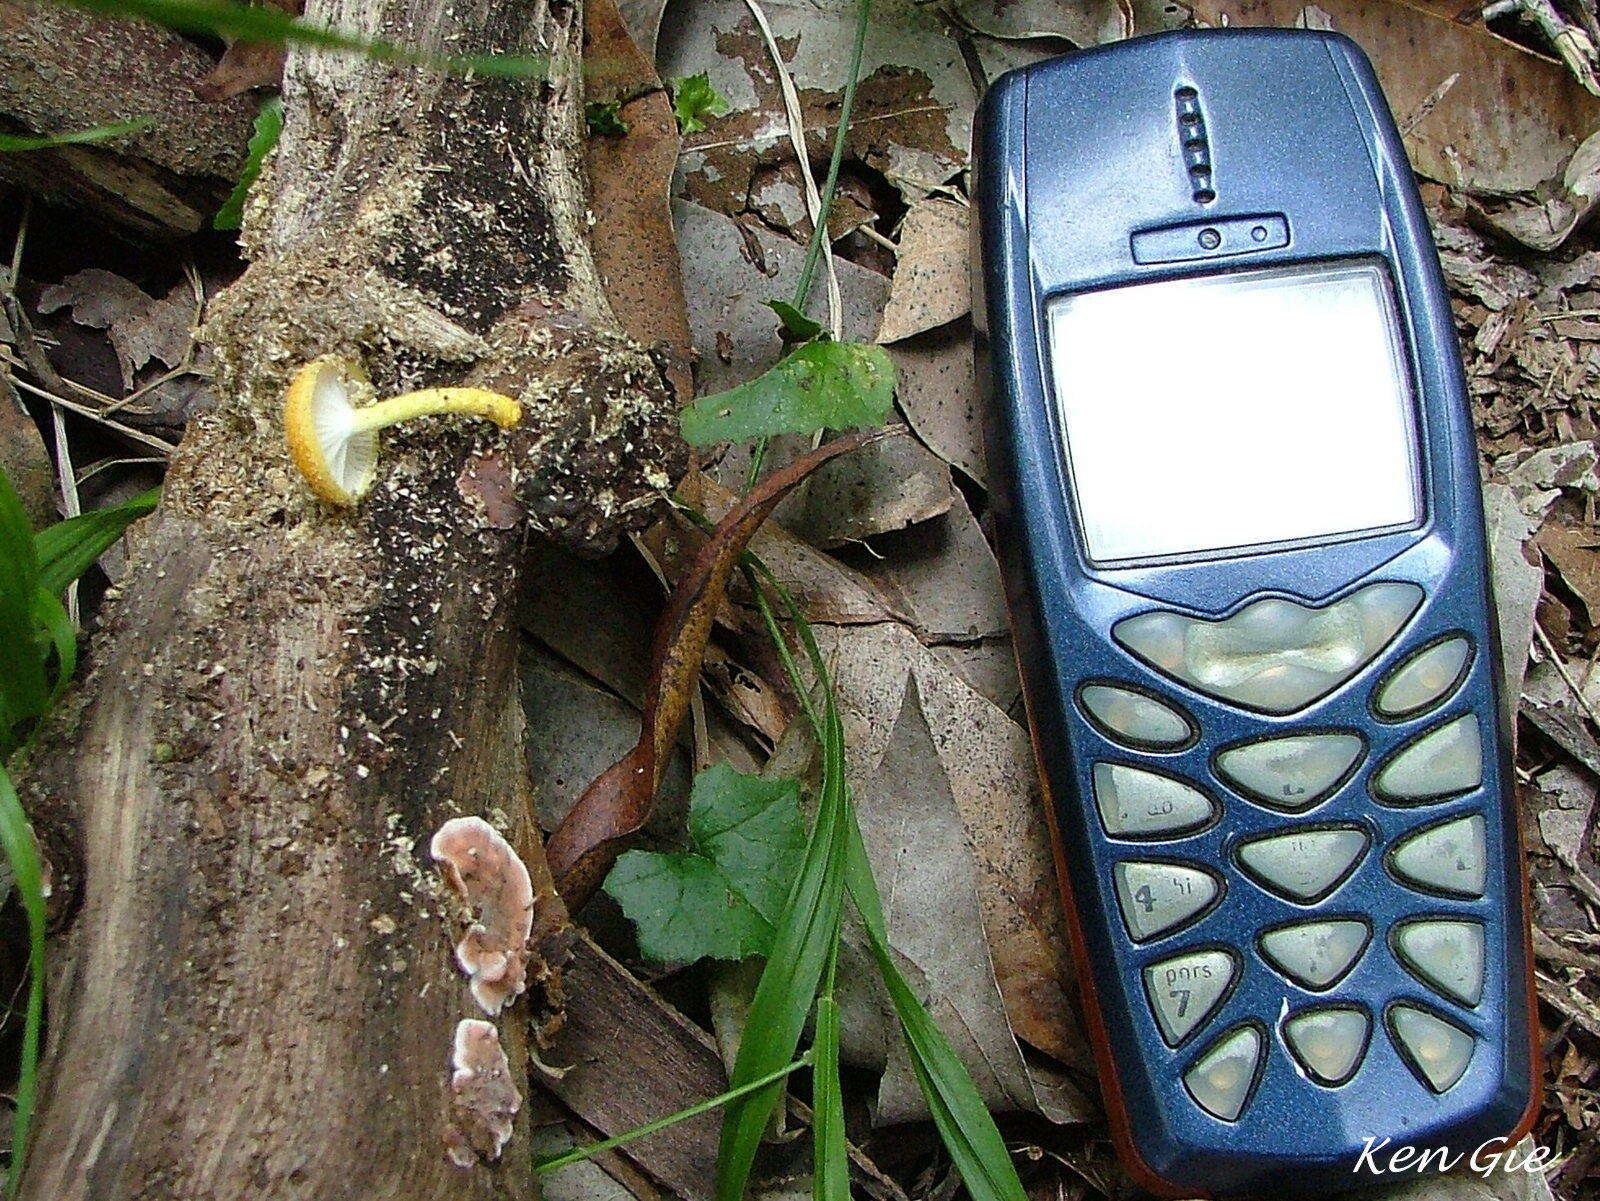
{"x":338,"y":459}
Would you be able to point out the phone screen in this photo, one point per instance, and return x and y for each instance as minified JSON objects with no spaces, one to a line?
{"x":1248,"y":409}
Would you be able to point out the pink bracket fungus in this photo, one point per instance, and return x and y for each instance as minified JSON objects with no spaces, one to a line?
{"x":483,"y":1098}
{"x":332,"y":429}
{"x":487,"y":874}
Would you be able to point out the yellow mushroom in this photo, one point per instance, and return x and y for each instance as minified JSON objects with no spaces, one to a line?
{"x":333,"y":439}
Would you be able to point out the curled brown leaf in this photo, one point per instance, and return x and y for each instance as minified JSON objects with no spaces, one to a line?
{"x":586,"y":843}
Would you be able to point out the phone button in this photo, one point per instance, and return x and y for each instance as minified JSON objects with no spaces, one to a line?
{"x":1423,"y":680}
{"x":1443,"y":762}
{"x":1220,"y":1080}
{"x":1135,"y":803}
{"x":1274,"y":655}
{"x":1328,"y":1042}
{"x":1303,"y":865}
{"x":1291,"y":773}
{"x":1158,"y":897}
{"x":1185,"y":989}
{"x":1447,"y":858}
{"x":1437,"y":1050}
{"x":1315,"y":954}
{"x":1135,"y":718}
{"x":1446,"y":954}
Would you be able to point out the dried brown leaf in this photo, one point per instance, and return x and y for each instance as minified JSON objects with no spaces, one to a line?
{"x":585,"y":844}
{"x":140,"y":326}
{"x":630,"y":181}
{"x":930,"y":285}
{"x":1512,"y":119}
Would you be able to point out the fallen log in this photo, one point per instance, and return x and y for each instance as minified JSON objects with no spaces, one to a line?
{"x":255,"y":989}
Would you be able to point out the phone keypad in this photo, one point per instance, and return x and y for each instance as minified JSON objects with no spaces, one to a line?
{"x":1303,"y":865}
{"x":1423,"y":680}
{"x":1328,"y":1042}
{"x":1446,"y":953}
{"x":1157,"y":897}
{"x":1315,"y":954}
{"x":1291,"y":773}
{"x":1135,"y":718}
{"x":1186,"y":988}
{"x":1447,"y":858}
{"x":1220,"y":1079}
{"x":1135,"y":803}
{"x":1275,"y":656}
{"x":1440,"y":763}
{"x":1437,"y":1050}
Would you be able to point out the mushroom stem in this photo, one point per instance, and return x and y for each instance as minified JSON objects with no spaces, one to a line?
{"x":479,"y":402}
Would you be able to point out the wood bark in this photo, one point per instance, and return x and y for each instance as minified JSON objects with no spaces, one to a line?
{"x":254,"y":992}
{"x":62,"y":70}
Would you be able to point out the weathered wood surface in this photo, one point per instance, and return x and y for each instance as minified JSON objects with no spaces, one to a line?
{"x":63,"y":70}
{"x":253,"y":992}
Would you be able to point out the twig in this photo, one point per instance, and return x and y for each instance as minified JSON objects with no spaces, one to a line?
{"x":1566,"y":676}
{"x":1571,"y":44}
{"x":797,"y":138}
{"x":162,"y":447}
{"x":71,"y":502}
{"x":1429,"y":103}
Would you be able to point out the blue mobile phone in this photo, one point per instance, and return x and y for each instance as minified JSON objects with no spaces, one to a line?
{"x":1237,"y":497}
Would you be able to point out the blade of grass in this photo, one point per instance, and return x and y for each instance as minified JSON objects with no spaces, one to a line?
{"x":806,"y":938}
{"x":963,"y":1120}
{"x":830,"y":1155}
{"x":265,"y":24}
{"x":69,"y":548}
{"x":588,"y":1151}
{"x":965,"y":1125}
{"x":51,"y":616}
{"x":11,"y":144}
{"x":24,"y":691}
{"x":16,"y":838}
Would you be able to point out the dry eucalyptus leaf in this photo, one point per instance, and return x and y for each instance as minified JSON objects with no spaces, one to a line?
{"x":1573,"y":549}
{"x":944,"y":577}
{"x":1517,"y":583}
{"x":930,"y":286}
{"x":1564,"y":823}
{"x":917,"y":842}
{"x":939,"y":395}
{"x":850,"y":499}
{"x":1510,"y":122}
{"x":1547,"y":702}
{"x":1546,"y":225}
{"x":141,"y":328}
{"x":630,"y":183}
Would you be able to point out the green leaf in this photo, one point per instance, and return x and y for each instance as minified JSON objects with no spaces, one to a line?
{"x":604,"y":118}
{"x":797,"y":327}
{"x":269,"y":125}
{"x":10,"y":144}
{"x":24,"y":692}
{"x":69,"y":548}
{"x":22,"y":854}
{"x":821,"y":385}
{"x":232,"y":20}
{"x":805,"y":939}
{"x":693,"y":100}
{"x":720,"y":898}
{"x":51,"y":617}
